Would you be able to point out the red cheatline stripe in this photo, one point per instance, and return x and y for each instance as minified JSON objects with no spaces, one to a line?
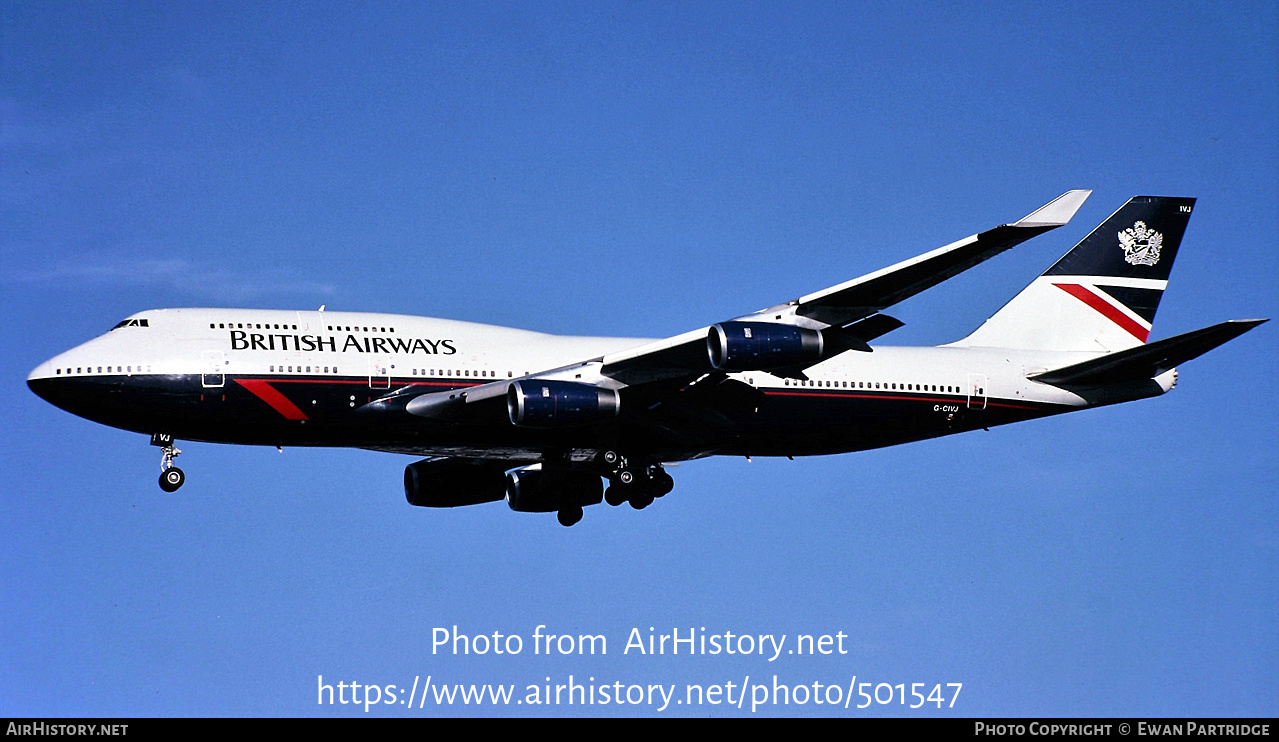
{"x":1103,"y":306}
{"x":267,"y":393}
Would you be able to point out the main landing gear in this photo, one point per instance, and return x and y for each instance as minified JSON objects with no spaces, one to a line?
{"x":634,"y":482}
{"x":171,"y":477}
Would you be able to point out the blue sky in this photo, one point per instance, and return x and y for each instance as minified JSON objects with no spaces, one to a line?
{"x":635,"y":169}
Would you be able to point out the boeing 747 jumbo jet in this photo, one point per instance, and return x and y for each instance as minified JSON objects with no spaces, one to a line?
{"x":541,"y":420}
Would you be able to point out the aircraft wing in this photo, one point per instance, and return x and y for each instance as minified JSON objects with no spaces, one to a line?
{"x":862,"y":297}
{"x":846,"y":314}
{"x":852,"y":304}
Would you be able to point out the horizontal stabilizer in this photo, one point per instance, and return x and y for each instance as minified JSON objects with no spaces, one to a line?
{"x":1146,"y":361}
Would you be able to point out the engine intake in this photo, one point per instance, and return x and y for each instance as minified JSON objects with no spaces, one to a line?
{"x":449,"y":483}
{"x":754,"y":346}
{"x":557,"y":404}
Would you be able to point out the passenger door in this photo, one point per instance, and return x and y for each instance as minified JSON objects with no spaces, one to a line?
{"x":212,"y":374}
{"x":379,"y":373}
{"x":976,"y":391}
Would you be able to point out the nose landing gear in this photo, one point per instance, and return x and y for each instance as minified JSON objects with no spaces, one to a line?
{"x":171,"y":477}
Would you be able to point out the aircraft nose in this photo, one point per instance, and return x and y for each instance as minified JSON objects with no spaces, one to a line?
{"x":39,"y":380}
{"x":42,"y":371}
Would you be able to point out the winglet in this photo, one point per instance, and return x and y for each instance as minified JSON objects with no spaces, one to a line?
{"x":1057,"y":212}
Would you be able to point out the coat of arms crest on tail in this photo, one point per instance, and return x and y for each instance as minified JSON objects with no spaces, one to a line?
{"x":1141,"y":244}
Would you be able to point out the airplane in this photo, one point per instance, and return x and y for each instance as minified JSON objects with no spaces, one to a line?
{"x":543,"y":420}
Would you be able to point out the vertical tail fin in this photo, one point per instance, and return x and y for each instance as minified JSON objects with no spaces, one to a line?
{"x":1102,"y":295}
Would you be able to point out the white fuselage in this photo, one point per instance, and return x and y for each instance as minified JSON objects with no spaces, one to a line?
{"x":180,"y":371}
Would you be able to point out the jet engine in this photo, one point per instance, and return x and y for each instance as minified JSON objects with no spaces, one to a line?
{"x":756,"y":346}
{"x":449,"y":483}
{"x":535,"y":489}
{"x":556,"y":404}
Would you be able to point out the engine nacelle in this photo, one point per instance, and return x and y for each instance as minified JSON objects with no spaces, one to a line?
{"x":535,"y":489}
{"x":755,"y":346}
{"x":558,"y":404}
{"x":449,"y":483}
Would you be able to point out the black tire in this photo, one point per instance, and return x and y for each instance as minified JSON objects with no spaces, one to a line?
{"x":614,"y":495}
{"x":569,"y":516}
{"x":171,"y":479}
{"x":641,"y":500}
{"x":662,"y":484}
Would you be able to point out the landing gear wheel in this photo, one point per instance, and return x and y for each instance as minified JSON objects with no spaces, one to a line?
{"x":614,"y":495}
{"x":569,"y":516}
{"x":662,"y":484}
{"x":641,"y":500}
{"x":172,"y":478}
{"x":626,"y":476}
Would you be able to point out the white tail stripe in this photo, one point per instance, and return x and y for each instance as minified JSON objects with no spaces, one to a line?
{"x":1135,"y":283}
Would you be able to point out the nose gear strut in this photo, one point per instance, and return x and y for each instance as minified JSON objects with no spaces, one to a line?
{"x":171,"y":477}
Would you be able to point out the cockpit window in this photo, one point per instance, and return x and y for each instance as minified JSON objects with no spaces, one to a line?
{"x":132,"y":323}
